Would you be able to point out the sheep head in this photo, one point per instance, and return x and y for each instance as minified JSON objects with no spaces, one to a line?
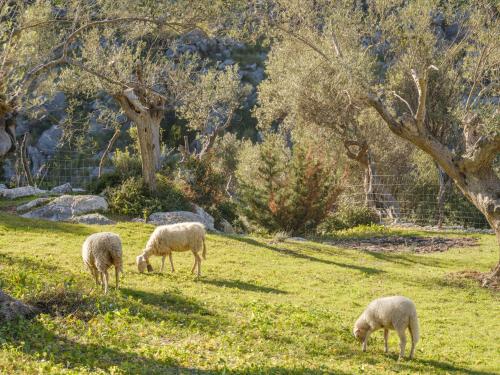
{"x":360,"y":330}
{"x":142,"y":264}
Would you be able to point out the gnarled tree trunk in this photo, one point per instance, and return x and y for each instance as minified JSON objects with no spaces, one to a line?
{"x":472,"y":171}
{"x":147,"y":122}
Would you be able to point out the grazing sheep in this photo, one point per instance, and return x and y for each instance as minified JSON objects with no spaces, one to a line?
{"x":99,"y":252}
{"x":176,"y":237}
{"x":396,"y":312}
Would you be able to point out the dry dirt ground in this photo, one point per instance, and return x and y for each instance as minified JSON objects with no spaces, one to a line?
{"x":414,"y":244}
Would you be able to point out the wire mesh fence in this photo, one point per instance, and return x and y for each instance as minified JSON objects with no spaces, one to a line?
{"x":76,"y":168}
{"x":404,"y":199}
{"x":396,"y":198}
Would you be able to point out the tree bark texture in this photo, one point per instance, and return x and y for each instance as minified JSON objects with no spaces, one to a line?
{"x":147,"y":122}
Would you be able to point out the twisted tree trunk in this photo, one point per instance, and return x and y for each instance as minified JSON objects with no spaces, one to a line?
{"x":472,"y":171}
{"x":147,"y":121}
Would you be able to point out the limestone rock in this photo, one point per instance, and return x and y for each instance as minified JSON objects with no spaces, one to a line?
{"x":33,"y":204}
{"x":163,"y":218}
{"x":19,"y":192}
{"x":94,"y":219}
{"x":62,"y":189}
{"x":66,"y":207}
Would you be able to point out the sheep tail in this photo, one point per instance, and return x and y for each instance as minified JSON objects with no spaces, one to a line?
{"x":204,"y":250}
{"x":415,"y":333}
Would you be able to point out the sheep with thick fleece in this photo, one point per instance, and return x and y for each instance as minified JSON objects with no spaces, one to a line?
{"x":396,"y":312}
{"x":99,"y":252}
{"x":175,"y":237}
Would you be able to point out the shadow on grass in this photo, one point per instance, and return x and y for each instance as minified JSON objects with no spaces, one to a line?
{"x":20,"y":224}
{"x":242,"y":285}
{"x":450,"y":368}
{"x":34,"y":339}
{"x":408,"y":259}
{"x":172,"y":307}
{"x":295,"y":254}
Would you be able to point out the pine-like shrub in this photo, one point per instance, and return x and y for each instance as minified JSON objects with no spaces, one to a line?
{"x":288,"y":185}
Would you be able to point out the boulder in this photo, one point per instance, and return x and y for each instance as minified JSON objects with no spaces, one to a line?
{"x":226,"y":227}
{"x":62,"y":189}
{"x":163,"y":218}
{"x":206,"y":218}
{"x":20,"y":192}
{"x":33,"y":204}
{"x":49,"y":139}
{"x":94,"y":219}
{"x":66,"y":207}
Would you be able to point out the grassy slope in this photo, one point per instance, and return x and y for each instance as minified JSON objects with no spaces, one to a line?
{"x":259,"y":308}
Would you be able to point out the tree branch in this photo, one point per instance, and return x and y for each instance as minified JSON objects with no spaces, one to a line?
{"x":375,"y":102}
{"x":421,"y":84}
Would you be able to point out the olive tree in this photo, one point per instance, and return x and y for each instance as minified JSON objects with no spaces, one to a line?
{"x":423,"y":79}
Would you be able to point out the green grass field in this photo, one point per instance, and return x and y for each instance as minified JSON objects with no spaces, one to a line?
{"x":259,"y":308}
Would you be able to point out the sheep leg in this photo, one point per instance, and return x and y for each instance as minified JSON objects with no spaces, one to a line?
{"x":365,"y":341}
{"x":402,"y":343}
{"x":198,"y":258}
{"x":195,"y":262}
{"x":386,"y":339}
{"x":117,"y":276}
{"x":171,"y":261}
{"x":413,"y":344}
{"x":105,"y":278}
{"x":95,"y":274}
{"x":162,"y":263}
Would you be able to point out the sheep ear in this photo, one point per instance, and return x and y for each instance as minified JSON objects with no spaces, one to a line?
{"x":150,"y":269}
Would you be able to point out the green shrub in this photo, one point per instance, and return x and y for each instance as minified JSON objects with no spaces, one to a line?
{"x":348,"y":216}
{"x":127,"y":163}
{"x":106,"y":181}
{"x":133,"y":198}
{"x":283,"y":188}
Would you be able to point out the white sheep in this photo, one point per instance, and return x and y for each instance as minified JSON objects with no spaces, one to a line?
{"x":395,"y":312}
{"x":99,"y":252}
{"x":175,"y":237}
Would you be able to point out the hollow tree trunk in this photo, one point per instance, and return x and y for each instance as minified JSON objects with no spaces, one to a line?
{"x":444,"y":186}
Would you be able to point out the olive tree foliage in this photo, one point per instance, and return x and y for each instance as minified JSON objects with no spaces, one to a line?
{"x":435,"y":90}
{"x":119,"y":48}
{"x":22,"y":47}
{"x":306,"y":96}
{"x":210,"y":104}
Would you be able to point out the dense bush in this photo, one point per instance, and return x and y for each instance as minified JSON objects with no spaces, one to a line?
{"x":133,"y":198}
{"x":348,"y":216}
{"x":127,"y":163}
{"x":287,"y":184}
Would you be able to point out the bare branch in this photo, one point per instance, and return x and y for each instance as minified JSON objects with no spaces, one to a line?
{"x":306,"y":42}
{"x":336,"y":46}
{"x":405,"y":102}
{"x":421,"y":84}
